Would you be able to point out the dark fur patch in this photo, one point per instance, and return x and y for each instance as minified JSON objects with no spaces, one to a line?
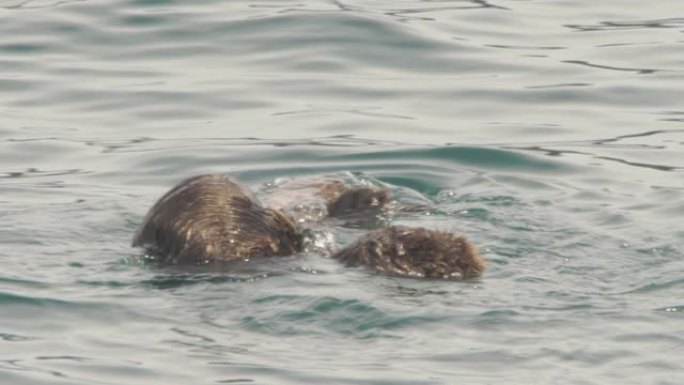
{"x":358,"y":199}
{"x":211,"y":218}
{"x":415,"y":252}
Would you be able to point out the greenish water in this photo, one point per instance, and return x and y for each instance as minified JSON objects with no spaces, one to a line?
{"x":549,"y":133}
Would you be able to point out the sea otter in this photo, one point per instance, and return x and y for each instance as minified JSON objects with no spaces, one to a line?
{"x":211,"y":218}
{"x":414,"y":252}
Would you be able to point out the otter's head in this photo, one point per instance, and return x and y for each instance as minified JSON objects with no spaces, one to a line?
{"x":415,"y":252}
{"x":358,"y":199}
{"x":452,"y":256}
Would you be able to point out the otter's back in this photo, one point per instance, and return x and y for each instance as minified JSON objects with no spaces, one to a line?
{"x":210,"y":217}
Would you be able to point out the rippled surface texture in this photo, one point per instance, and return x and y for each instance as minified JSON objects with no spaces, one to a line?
{"x":548,"y":132}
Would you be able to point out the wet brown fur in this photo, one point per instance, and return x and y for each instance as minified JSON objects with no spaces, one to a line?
{"x":415,"y":252}
{"x":338,"y":198}
{"x":356,"y":200}
{"x":211,"y":218}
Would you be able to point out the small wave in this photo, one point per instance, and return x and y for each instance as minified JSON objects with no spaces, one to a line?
{"x":15,"y":337}
{"x":294,"y":315}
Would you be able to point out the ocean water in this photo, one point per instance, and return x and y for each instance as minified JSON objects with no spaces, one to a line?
{"x":550,"y":133}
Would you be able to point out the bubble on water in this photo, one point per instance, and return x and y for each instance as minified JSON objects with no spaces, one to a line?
{"x":319,"y":242}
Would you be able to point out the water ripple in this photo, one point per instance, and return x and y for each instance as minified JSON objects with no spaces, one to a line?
{"x":627,"y":25}
{"x":292,"y":315}
{"x":641,"y":71}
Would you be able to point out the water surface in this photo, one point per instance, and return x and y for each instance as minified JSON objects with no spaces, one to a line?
{"x":549,"y":133}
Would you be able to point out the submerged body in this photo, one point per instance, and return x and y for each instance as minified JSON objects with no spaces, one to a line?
{"x":415,"y":252}
{"x":212,"y":218}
